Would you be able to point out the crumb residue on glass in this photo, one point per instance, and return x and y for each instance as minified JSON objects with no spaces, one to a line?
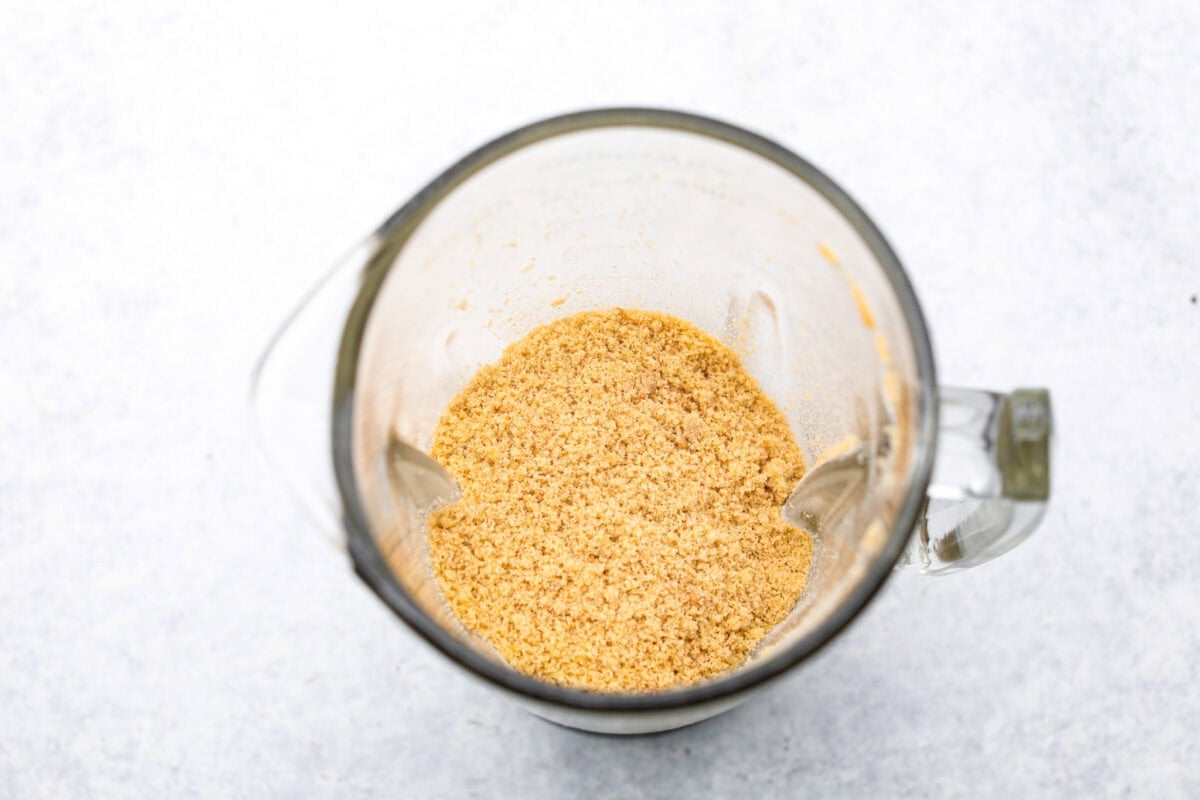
{"x":864,"y":310}
{"x":828,"y":254}
{"x":882,"y":349}
{"x":619,"y":527}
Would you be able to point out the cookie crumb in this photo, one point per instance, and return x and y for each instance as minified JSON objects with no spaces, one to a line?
{"x":864,"y":309}
{"x":828,"y":254}
{"x":620,"y":526}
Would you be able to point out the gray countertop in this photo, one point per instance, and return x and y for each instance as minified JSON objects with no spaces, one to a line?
{"x":173,"y":177}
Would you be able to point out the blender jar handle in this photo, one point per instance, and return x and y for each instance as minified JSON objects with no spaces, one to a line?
{"x":991,"y":479}
{"x":291,"y":392}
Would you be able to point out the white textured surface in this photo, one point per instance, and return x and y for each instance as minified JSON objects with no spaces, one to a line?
{"x":172,"y":178}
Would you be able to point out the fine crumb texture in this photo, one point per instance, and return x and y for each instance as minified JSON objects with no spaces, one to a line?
{"x":619,"y":528}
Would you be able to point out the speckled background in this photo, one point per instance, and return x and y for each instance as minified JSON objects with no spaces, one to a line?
{"x":174,"y":176}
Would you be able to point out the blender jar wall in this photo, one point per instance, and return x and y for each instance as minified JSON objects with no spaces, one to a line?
{"x":656,"y":218}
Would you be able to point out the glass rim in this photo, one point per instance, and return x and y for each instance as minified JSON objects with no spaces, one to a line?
{"x":369,"y":562}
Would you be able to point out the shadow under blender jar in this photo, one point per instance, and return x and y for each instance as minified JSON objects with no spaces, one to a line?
{"x":669,"y":212}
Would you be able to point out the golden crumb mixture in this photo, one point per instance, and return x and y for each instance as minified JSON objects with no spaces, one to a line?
{"x":619,"y":528}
